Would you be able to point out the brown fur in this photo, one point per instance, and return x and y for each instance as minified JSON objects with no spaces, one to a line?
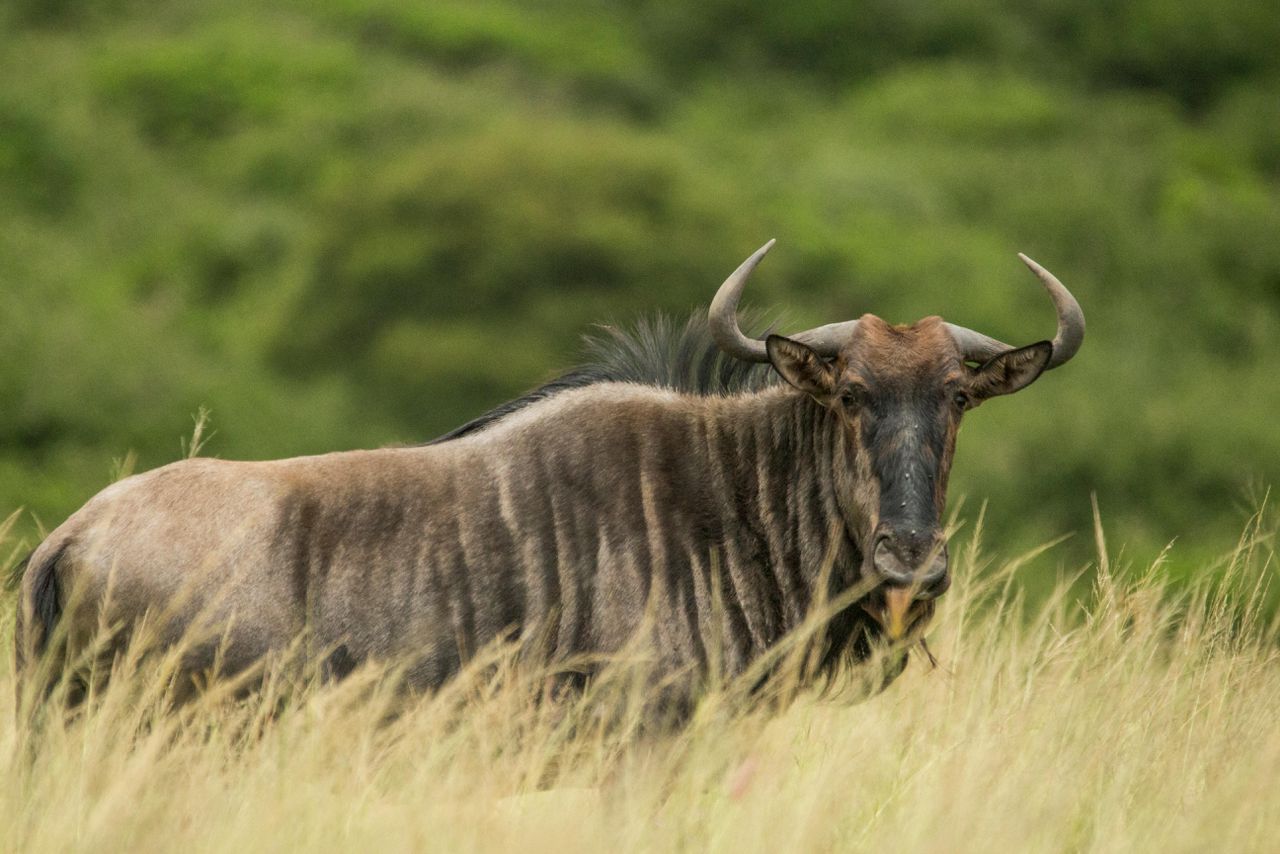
{"x":561,"y":524}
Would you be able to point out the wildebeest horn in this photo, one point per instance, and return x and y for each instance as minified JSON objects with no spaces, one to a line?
{"x":977,"y":347}
{"x":723,"y":318}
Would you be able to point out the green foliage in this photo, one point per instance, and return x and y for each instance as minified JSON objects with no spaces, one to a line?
{"x":532,"y":237}
{"x":354,"y":222}
{"x":207,"y":87}
{"x":1191,"y":51}
{"x":577,"y":45}
{"x":40,"y":177}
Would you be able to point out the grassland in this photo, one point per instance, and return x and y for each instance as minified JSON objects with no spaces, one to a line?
{"x":1134,"y":717}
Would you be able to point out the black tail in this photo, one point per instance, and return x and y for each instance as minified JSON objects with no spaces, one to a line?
{"x":32,"y":642}
{"x":46,"y":603}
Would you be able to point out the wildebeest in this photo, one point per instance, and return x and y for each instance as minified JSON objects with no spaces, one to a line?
{"x":707,"y":479}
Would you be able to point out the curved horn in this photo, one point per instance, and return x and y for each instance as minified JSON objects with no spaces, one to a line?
{"x":827,"y":340}
{"x":978,"y":347}
{"x":723,"y":315}
{"x":723,"y":319}
{"x":1070,"y":334}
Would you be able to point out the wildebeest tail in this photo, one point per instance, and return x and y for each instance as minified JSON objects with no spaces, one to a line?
{"x":43,"y":602}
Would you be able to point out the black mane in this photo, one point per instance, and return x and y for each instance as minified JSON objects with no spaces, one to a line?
{"x":657,"y":351}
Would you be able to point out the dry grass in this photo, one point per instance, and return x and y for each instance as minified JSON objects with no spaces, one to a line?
{"x":1136,"y":719}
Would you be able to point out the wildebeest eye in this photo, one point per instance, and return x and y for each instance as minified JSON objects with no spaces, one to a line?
{"x":853,"y":396}
{"x":961,"y":400}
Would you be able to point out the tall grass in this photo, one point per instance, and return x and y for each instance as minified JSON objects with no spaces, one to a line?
{"x":1134,"y":717}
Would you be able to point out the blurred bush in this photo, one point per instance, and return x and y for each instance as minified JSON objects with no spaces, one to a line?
{"x":352,"y":222}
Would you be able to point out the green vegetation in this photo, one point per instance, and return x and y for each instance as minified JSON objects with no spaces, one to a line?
{"x":352,"y":222}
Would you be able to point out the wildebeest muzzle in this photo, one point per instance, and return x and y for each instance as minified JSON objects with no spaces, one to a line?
{"x":912,"y":566}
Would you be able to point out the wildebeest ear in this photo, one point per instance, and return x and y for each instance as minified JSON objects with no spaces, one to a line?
{"x":1011,"y":371}
{"x":801,"y":366}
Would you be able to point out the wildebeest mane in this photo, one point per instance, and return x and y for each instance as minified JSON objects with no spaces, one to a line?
{"x":658,"y":351}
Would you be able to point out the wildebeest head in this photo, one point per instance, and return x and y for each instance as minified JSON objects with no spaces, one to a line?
{"x":899,"y":393}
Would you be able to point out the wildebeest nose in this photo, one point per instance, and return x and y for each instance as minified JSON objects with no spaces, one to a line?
{"x":904,"y":563}
{"x":889,"y":563}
